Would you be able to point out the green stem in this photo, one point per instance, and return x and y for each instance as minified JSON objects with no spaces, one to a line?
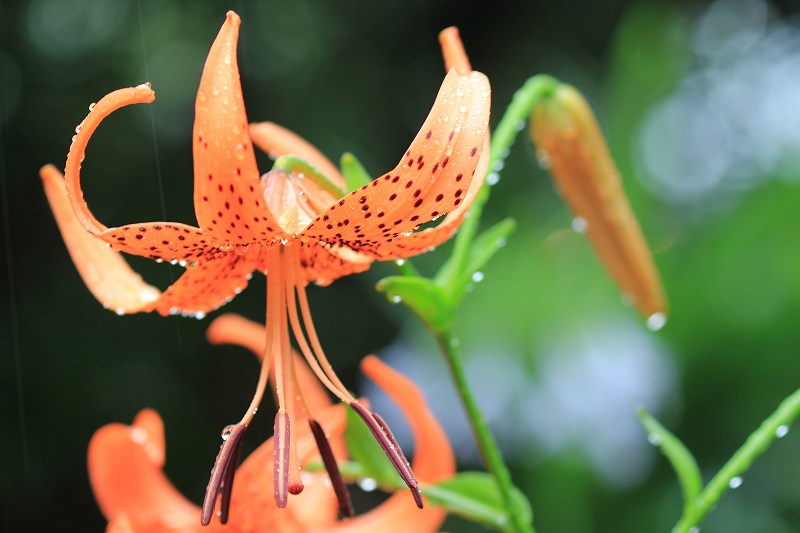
{"x":486,"y":444}
{"x":773,"y":427}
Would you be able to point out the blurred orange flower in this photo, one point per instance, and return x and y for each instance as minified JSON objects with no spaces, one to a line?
{"x":125,"y":466}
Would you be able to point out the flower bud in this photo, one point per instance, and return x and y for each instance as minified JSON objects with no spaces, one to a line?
{"x":571,"y":146}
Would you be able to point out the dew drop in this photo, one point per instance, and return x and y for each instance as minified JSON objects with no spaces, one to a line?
{"x":477,"y":277}
{"x":493,"y":178}
{"x":396,"y":299}
{"x":368,"y":484}
{"x":227,"y":430}
{"x":735,"y":482}
{"x":653,"y":439}
{"x":498,"y":165}
{"x":227,"y":60}
{"x":78,"y":128}
{"x":400,"y":262}
{"x":463,"y":109}
{"x":459,"y":93}
{"x":579,"y":225}
{"x":120,"y":311}
{"x":656,"y":321}
{"x":200,"y":315}
{"x":694,"y":529}
{"x":91,"y":106}
{"x":520,"y":125}
{"x":781,"y":431}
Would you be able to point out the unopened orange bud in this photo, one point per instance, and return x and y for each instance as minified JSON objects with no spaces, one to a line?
{"x":570,"y":144}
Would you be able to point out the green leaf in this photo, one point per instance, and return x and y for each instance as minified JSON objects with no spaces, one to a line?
{"x":423,"y":296}
{"x":353,"y":172}
{"x":367,"y":453}
{"x":677,"y":454}
{"x":295,"y":165}
{"x":475,"y":496}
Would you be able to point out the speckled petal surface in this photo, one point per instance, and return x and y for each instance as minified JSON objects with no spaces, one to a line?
{"x":228,"y":199}
{"x":431,"y":179}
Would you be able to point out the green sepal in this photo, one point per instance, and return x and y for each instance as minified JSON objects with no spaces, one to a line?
{"x":295,"y":165}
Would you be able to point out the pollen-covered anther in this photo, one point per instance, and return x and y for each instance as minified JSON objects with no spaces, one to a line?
{"x":221,"y":481}
{"x":387,"y":442}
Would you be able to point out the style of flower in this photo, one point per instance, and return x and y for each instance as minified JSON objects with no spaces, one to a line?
{"x":125,"y":465}
{"x":295,"y":224}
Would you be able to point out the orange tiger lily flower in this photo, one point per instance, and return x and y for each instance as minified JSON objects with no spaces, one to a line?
{"x":296,"y":227}
{"x":125,"y":466}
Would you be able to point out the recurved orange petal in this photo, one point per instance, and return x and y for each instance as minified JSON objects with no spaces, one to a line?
{"x":431,"y":180}
{"x":209,"y":284}
{"x":110,"y":279}
{"x":277,"y":141}
{"x":228,"y":199}
{"x":433,"y":460}
{"x":177,"y":242}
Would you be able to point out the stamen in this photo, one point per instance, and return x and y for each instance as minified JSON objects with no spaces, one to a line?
{"x":391,"y":449}
{"x":281,"y":454}
{"x":284,"y":381}
{"x":222,"y":473}
{"x":339,"y":487}
{"x":274,"y":295}
{"x":312,"y":336}
{"x":291,"y":303}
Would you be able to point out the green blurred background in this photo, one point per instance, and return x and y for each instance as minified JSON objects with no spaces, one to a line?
{"x":701,"y":105}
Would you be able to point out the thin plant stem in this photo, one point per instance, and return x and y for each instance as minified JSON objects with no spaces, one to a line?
{"x":483,"y":436}
{"x":775,"y":426}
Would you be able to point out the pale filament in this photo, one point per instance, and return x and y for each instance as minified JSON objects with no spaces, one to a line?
{"x":274,"y":287}
{"x":333,"y":385}
{"x":285,"y":374}
{"x":312,"y":336}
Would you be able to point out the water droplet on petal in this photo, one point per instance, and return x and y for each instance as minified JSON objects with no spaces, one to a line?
{"x":781,"y":431}
{"x":656,"y":321}
{"x":477,"y":277}
{"x":493,"y":178}
{"x":400,"y":262}
{"x":396,"y":299}
{"x":653,"y":439}
{"x":735,"y":482}
{"x":91,"y":106}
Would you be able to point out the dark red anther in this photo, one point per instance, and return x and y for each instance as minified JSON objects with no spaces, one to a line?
{"x":339,"y":487}
{"x":221,"y":482}
{"x":391,"y":449}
